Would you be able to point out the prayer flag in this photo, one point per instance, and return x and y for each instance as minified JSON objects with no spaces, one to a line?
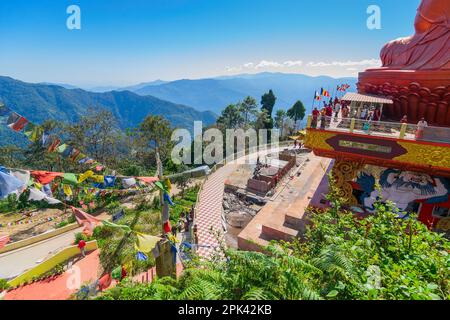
{"x":167,"y":227}
{"x":117,"y":273}
{"x":70,"y":178}
{"x":19,"y":124}
{"x":148,"y":180}
{"x":140,"y":256}
{"x":4,"y":241}
{"x":169,"y":185}
{"x":160,"y":186}
{"x":61,"y":148}
{"x":98,"y":178}
{"x":9,"y":184}
{"x":116,"y":226}
{"x":317,"y":96}
{"x":67,"y":151}
{"x":13,"y":118}
{"x":109,"y":181}
{"x":146,"y":243}
{"x":128,"y":183}
{"x":168,"y":199}
{"x":4,"y":110}
{"x":67,"y":190}
{"x":85,"y":176}
{"x":45,"y":177}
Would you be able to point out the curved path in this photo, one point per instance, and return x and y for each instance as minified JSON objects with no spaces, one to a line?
{"x":209,"y":208}
{"x":18,"y":261}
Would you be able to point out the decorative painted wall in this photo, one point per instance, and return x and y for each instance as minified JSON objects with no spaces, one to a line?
{"x":403,"y":188}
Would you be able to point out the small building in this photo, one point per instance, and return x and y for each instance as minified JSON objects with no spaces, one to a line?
{"x":362,"y":104}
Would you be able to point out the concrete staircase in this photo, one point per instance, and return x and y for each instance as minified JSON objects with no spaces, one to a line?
{"x":283,"y":218}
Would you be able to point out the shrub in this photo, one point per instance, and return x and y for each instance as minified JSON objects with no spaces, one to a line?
{"x":80,"y":236}
{"x":4,"y":285}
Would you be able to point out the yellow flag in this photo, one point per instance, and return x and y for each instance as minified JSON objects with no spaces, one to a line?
{"x":172,"y":238}
{"x":85,"y":176}
{"x":98,"y":178}
{"x":168,"y":184}
{"x":67,"y":190}
{"x":146,"y":243}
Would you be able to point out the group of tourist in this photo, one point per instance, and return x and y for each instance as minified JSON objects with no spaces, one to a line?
{"x":185,"y":222}
{"x":421,"y":125}
{"x":329,"y":110}
{"x":368,"y":114}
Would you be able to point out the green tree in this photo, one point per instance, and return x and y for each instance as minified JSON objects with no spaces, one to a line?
{"x":261,"y":120}
{"x":231,"y":117}
{"x":248,"y":108}
{"x":182,"y":180}
{"x":11,"y":156}
{"x":155,"y":133}
{"x":280,"y":120}
{"x":96,"y":134}
{"x":268,"y":101}
{"x":297,"y":112}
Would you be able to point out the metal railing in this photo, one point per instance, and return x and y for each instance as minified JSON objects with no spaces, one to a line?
{"x":396,"y":130}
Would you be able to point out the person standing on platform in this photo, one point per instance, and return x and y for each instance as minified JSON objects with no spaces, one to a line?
{"x":323,"y":119}
{"x":421,"y":125}
{"x":315,"y":118}
{"x":404,"y":119}
{"x":377,"y":114}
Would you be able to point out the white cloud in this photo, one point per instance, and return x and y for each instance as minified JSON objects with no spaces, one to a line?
{"x":233,"y":69}
{"x":290,"y":63}
{"x":365,"y":62}
{"x":268,"y":64}
{"x":314,"y":68}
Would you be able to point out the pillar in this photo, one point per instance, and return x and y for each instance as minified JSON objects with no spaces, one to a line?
{"x":344,"y":172}
{"x":165,"y":266}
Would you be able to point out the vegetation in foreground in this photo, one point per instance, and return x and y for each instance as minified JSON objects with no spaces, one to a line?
{"x":117,"y":247}
{"x":341,"y":257}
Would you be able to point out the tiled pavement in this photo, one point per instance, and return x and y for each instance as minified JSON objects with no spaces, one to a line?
{"x":209,"y":210}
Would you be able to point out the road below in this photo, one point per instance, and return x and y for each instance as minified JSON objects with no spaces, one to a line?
{"x":16,"y":262}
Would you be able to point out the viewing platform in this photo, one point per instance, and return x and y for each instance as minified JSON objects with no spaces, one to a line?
{"x":387,"y":144}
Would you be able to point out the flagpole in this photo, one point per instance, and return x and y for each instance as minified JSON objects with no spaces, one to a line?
{"x":314,"y":99}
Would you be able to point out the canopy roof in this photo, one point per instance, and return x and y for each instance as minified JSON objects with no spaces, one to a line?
{"x":358,"y":97}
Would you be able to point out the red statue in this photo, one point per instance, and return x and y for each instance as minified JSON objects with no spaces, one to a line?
{"x":429,"y":48}
{"x":416,"y":69}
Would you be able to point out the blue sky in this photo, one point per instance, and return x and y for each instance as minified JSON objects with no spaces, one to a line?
{"x":125,"y":42}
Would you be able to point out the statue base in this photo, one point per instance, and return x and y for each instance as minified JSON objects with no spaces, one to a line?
{"x":416,"y":94}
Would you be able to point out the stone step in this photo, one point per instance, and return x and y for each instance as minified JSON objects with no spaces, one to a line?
{"x":295,"y":222}
{"x":274,"y":231}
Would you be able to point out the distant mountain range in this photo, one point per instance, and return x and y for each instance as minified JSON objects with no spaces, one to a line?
{"x":215,"y":94}
{"x":39,"y":102}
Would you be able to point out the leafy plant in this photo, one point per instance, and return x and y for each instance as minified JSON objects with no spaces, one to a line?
{"x":4,"y":285}
{"x":341,"y":256}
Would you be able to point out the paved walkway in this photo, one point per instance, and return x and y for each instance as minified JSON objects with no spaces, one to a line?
{"x":209,"y":210}
{"x":18,"y":261}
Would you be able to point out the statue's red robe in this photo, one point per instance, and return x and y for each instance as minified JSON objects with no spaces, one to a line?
{"x":429,"y":47}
